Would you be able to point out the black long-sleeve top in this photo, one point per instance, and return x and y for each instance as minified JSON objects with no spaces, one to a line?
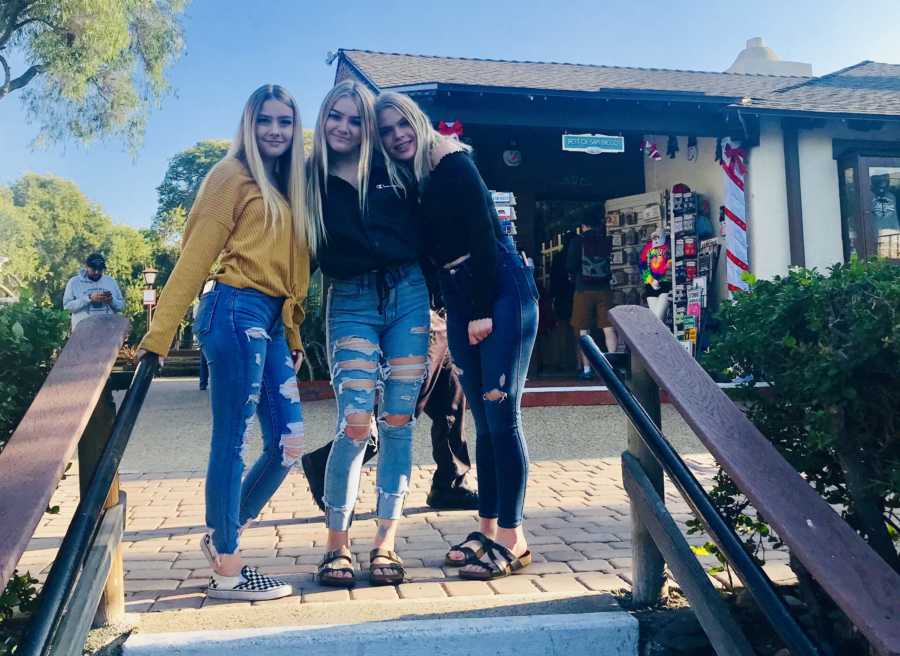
{"x":458,"y":218}
{"x":389,"y":234}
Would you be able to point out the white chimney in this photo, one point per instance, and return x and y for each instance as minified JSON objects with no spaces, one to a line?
{"x":759,"y":59}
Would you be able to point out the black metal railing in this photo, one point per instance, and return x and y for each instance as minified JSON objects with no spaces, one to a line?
{"x":751,"y":574}
{"x":64,"y":574}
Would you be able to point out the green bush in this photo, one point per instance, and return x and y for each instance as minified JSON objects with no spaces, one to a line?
{"x":30,"y":337}
{"x":828,"y":345}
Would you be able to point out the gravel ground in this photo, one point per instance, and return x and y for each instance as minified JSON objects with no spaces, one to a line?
{"x":172,"y":432}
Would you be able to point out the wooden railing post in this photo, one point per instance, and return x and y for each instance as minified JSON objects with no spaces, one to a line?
{"x":112,"y":603}
{"x":646,"y":563}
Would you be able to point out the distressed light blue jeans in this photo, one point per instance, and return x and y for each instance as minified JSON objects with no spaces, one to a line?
{"x":250,"y":372}
{"x":378,"y":331}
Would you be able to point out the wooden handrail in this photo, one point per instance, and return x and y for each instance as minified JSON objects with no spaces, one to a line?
{"x":852,"y":574}
{"x":35,"y":458}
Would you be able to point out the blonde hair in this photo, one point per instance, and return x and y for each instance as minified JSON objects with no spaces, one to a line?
{"x":290,"y":174}
{"x":426,"y":138}
{"x":317,"y":171}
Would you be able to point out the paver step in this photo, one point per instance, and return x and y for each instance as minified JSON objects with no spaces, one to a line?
{"x":589,"y":634}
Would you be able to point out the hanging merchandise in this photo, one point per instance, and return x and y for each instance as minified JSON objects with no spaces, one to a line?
{"x":629,"y":222}
{"x":512,"y":156}
{"x":735,"y":210}
{"x":505,"y":206}
{"x":651,"y":150}
{"x":672,"y":146}
{"x":656,"y":260}
{"x":451,"y":128}
{"x":693,"y":149}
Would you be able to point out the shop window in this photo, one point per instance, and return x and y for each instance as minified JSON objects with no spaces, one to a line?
{"x":870,"y":195}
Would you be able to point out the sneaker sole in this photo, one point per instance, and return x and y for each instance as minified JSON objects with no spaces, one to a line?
{"x":250,"y":595}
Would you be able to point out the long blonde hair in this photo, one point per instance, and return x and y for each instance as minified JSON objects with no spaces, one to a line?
{"x":290,"y":173}
{"x":426,"y":138}
{"x":317,"y":171}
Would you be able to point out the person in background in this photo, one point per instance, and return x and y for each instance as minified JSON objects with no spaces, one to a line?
{"x":587,"y":261}
{"x":92,"y":292}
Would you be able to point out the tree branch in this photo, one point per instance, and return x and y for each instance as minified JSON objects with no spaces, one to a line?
{"x":6,"y":74}
{"x":20,"y":81}
{"x":13,"y":12}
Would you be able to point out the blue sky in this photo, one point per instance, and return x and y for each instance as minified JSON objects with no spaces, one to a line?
{"x":233,"y":46}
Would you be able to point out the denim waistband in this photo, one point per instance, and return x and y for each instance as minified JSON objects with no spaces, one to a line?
{"x":381,"y":280}
{"x":505,"y":250}
{"x":392,"y":275}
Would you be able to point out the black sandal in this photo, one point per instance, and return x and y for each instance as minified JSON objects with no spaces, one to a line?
{"x":494,"y":569}
{"x":471,"y":555}
{"x":397,"y":573}
{"x":326,"y":572}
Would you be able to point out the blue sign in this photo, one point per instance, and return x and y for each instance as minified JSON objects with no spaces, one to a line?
{"x":593,"y":144}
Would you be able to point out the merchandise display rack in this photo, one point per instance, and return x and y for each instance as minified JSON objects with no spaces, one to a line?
{"x":505,"y":205}
{"x":693,"y":267}
{"x":630,"y":221}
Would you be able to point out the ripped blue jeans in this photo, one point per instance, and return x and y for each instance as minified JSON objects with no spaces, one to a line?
{"x":250,"y":373}
{"x":378,"y":330}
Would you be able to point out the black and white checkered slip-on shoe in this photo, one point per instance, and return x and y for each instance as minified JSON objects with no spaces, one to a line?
{"x":249,"y":585}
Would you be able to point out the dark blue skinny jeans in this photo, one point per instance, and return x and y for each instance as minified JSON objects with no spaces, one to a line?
{"x":498,"y":363}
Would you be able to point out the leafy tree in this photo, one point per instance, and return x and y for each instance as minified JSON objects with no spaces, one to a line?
{"x":17,"y":245}
{"x":54,"y":227}
{"x":67,"y":227}
{"x":184,"y":174}
{"x":94,"y":67}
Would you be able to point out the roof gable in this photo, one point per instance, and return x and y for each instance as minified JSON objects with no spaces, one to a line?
{"x":868,"y":88}
{"x":390,"y":70}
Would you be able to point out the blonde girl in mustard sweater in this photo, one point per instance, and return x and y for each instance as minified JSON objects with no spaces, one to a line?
{"x":250,"y":214}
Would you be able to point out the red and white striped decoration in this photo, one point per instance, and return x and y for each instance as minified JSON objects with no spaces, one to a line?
{"x":736,"y":251}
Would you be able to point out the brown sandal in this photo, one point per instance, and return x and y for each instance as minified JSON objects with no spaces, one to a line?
{"x":397,"y":573}
{"x":471,"y":555}
{"x":326,"y":572}
{"x":492,"y":569}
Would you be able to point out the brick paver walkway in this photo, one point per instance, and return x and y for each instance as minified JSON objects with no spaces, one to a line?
{"x":577,"y":524}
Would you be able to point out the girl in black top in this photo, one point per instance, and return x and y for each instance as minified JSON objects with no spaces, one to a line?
{"x":377,"y":319}
{"x":491,"y":301}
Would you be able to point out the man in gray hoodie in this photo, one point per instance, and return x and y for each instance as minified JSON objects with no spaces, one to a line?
{"x":91,"y":292}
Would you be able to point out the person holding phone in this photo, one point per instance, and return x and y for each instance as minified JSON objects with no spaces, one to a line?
{"x":92,"y":292}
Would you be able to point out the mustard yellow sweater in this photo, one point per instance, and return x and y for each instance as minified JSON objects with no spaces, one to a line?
{"x":228,"y":218}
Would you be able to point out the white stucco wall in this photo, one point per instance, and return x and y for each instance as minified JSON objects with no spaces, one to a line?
{"x":820,"y":200}
{"x":766,"y":189}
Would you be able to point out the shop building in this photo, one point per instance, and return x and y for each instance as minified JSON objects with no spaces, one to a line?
{"x":820,"y":156}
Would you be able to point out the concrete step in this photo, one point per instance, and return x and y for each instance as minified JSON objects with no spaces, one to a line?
{"x":613,"y":633}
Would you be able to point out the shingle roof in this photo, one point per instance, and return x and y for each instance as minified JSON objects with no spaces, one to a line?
{"x":867,"y":88}
{"x":387,"y":70}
